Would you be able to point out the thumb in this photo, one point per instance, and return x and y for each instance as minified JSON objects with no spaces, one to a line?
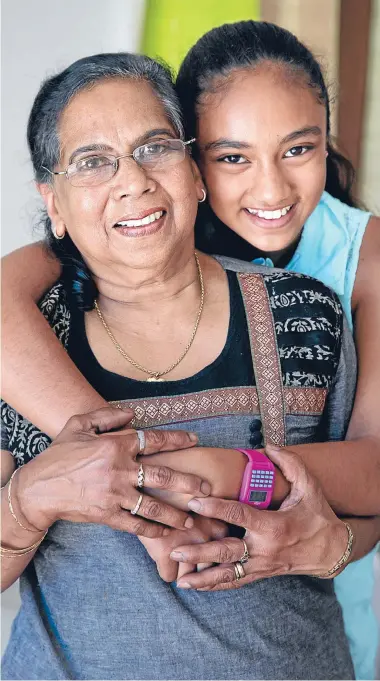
{"x":293,"y":469}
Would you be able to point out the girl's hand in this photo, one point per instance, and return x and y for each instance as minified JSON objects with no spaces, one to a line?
{"x":204,"y":530}
{"x":89,"y":474}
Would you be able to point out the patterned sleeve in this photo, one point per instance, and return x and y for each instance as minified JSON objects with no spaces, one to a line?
{"x":18,"y":435}
{"x":341,"y":396}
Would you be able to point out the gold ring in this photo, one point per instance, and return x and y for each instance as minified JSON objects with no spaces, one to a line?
{"x":245,"y":557}
{"x":135,"y":510}
{"x":239,"y":570}
{"x":140,"y":476}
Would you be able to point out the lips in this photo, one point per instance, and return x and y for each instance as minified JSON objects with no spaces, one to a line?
{"x":273,"y":219}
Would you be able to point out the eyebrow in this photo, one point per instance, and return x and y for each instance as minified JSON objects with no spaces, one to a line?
{"x":224,"y":143}
{"x":309,"y":130}
{"x":138,"y":142}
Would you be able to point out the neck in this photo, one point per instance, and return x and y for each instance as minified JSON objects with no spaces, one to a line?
{"x":157,"y":291}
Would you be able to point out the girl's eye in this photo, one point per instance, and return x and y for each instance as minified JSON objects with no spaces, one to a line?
{"x":298,"y":151}
{"x":233,"y":159}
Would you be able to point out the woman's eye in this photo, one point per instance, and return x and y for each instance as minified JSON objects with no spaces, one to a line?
{"x":92,"y":163}
{"x":233,"y":159}
{"x":297,"y":151}
{"x":155,"y":149}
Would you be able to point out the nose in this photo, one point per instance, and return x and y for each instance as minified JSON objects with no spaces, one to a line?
{"x":271,"y":185}
{"x":131,"y":180}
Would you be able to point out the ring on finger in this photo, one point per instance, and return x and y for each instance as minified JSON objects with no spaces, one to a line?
{"x":140,"y":476}
{"x":136,"y":509}
{"x":239,"y":570}
{"x":142,"y":442}
{"x":245,"y":557}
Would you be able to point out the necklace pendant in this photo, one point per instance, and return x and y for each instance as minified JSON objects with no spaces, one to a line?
{"x":154,"y":379}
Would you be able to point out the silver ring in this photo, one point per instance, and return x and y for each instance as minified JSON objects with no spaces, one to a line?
{"x":135,"y":510}
{"x":245,"y":557}
{"x":239,"y":570}
{"x":142,"y":441}
{"x":140,"y":476}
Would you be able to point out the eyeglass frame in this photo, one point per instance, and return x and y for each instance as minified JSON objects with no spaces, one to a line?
{"x":117,"y":159}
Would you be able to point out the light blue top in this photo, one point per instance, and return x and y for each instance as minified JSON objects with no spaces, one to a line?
{"x":329,"y":250}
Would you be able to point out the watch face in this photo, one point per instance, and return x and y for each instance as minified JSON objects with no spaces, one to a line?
{"x":257,"y":496}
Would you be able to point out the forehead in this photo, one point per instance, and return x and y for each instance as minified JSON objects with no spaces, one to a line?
{"x":115,"y":112}
{"x":254,"y":105}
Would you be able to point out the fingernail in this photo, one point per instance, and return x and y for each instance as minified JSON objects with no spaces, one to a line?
{"x":189,"y":523}
{"x":205,"y":488}
{"x":193,"y":437}
{"x":184,"y":585}
{"x":195,"y":504}
{"x":177,"y":555}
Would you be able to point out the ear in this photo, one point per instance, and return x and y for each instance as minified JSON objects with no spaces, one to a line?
{"x":199,"y":184}
{"x":51,"y":202}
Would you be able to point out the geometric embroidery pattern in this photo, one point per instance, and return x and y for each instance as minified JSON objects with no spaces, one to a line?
{"x":266,"y":363}
{"x":159,"y":411}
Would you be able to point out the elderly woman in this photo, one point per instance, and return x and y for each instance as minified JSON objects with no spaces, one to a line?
{"x":238,"y":355}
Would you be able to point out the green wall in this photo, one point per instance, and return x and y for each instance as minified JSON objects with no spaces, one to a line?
{"x":173,"y":26}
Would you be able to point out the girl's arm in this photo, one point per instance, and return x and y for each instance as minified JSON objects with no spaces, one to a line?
{"x":38,"y":378}
{"x":49,"y":392}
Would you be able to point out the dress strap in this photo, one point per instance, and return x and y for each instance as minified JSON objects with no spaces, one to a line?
{"x":265,"y":357}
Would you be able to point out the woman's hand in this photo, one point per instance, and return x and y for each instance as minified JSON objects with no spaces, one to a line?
{"x":89,"y":474}
{"x":303,"y":537}
{"x":205,"y":529}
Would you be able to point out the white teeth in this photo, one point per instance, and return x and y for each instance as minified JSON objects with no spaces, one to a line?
{"x":270,"y":214}
{"x":139,"y":223}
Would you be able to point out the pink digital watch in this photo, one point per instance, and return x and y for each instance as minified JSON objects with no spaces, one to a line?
{"x":258,"y":479}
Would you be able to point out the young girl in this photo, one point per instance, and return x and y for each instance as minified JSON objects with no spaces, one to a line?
{"x":280,"y":194}
{"x":256,"y":101}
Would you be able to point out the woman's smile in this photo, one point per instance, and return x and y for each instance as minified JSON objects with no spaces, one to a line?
{"x":147,"y":223}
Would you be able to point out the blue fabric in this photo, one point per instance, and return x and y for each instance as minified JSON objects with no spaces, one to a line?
{"x":329,"y":251}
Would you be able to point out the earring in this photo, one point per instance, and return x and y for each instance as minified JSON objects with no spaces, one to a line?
{"x":204,"y":196}
{"x":56,"y":236}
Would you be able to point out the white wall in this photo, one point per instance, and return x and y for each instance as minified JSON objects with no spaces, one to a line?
{"x":40,"y":37}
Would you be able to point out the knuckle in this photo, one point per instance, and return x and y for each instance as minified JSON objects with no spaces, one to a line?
{"x":225,"y":553}
{"x":152,"y":508}
{"x":161,"y":476}
{"x":227,"y":576}
{"x":235,"y":514}
{"x":139,"y":526}
{"x":156,"y":438}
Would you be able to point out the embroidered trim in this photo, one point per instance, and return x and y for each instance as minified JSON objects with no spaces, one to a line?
{"x":265,"y":357}
{"x":159,"y":411}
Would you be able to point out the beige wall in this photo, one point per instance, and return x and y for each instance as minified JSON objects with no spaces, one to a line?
{"x":370,"y":171}
{"x":315,"y":23}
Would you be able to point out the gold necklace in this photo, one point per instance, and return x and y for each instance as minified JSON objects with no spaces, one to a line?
{"x":156,"y":375}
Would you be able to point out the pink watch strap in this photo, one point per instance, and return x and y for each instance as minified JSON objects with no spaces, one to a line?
{"x":258,"y":479}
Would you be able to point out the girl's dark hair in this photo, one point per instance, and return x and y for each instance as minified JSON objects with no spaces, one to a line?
{"x":44,"y":146}
{"x":244,"y":45}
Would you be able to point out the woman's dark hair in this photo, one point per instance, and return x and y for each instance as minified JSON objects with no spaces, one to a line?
{"x":44,"y":145}
{"x":244,"y":45}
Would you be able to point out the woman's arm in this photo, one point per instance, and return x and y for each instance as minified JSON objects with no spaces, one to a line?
{"x":349,"y":472}
{"x":30,"y":348}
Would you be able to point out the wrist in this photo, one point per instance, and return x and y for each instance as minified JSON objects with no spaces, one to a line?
{"x":29,"y":502}
{"x":281,"y":489}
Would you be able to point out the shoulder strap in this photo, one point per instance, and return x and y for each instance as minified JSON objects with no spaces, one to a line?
{"x":265,"y":357}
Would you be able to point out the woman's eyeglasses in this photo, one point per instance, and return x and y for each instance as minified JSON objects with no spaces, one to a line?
{"x":93,"y":170}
